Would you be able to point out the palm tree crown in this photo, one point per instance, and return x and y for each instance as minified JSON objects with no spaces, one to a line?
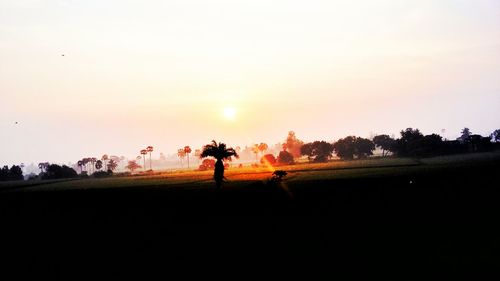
{"x":218,"y":151}
{"x":150,"y":149}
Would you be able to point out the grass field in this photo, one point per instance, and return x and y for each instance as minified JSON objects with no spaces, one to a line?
{"x":395,"y":219}
{"x":241,"y":177}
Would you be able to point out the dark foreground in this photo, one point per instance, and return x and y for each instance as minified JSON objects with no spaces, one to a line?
{"x":443,"y":224}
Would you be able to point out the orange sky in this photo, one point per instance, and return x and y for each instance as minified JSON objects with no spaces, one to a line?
{"x":138,"y":73}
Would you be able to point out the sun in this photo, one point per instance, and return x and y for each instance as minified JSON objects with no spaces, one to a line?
{"x":229,"y":113}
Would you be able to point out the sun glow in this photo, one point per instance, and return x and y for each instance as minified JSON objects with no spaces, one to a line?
{"x":229,"y":113}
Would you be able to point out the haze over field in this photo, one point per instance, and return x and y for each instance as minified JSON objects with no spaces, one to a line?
{"x":176,"y":73}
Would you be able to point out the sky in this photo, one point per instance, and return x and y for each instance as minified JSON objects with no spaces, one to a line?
{"x":85,"y":78}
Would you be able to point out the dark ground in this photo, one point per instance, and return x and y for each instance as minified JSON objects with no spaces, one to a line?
{"x":444,"y":224}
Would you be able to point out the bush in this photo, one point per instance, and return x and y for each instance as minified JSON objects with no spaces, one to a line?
{"x":102,"y":174}
{"x":268,"y":159}
{"x":32,"y":177}
{"x":207,"y":164}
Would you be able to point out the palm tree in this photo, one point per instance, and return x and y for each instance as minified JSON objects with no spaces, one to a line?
{"x":98,"y":164}
{"x":85,"y":163}
{"x":255,"y":149}
{"x":105,"y":158}
{"x":112,"y":165}
{"x":143,"y":153}
{"x":187,"y":150}
{"x":181,"y":153}
{"x":149,"y":149}
{"x":262,"y":147}
{"x":197,"y":154}
{"x":220,"y":153}
{"x":80,"y":164}
{"x":93,"y":160}
{"x":43,"y":166}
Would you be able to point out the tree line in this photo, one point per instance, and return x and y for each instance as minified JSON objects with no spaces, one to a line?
{"x":411,"y":143}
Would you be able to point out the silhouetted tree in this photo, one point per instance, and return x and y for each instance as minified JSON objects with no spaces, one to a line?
{"x":263,"y":147}
{"x":143,"y":153}
{"x":285,"y":157}
{"x":112,"y":165}
{"x":105,"y":159}
{"x":132,"y":166}
{"x":181,"y":154}
{"x":430,"y":145}
{"x":320,"y":150}
{"x":292,"y":144}
{"x":410,"y":143}
{"x":477,"y":143}
{"x":495,"y":136}
{"x":385,"y":142}
{"x":219,"y":152}
{"x":86,"y":163}
{"x":98,"y":164}
{"x":465,"y":135}
{"x":187,"y":150}
{"x":307,"y":150}
{"x":43,"y":166}
{"x":4,"y":173}
{"x":149,"y":149}
{"x":80,"y":164}
{"x":255,"y":150}
{"x":92,"y":161}
{"x":59,"y":172}
{"x":363,"y":147}
{"x":345,"y":148}
{"x":15,"y":173}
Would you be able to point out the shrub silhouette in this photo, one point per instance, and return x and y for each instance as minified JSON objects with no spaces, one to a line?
{"x":268,"y":159}
{"x":278,"y":175}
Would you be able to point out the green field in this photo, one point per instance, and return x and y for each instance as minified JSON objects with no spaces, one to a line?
{"x":298,"y":174}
